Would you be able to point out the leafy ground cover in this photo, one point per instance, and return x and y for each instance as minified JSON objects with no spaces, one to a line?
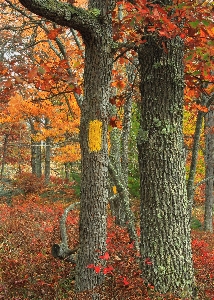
{"x":30,"y":226}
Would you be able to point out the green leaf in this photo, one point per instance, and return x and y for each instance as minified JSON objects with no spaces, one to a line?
{"x":206,"y":22}
{"x":41,"y":70}
{"x":194,"y":24}
{"x":206,"y":56}
{"x":196,"y":72}
{"x":189,"y":57}
{"x":132,"y":23}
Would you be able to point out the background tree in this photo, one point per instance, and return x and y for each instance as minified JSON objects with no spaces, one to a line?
{"x":209,"y":164}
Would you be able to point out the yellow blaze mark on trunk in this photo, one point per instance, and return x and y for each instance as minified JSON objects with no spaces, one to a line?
{"x":95,"y":135}
{"x":114,"y":188}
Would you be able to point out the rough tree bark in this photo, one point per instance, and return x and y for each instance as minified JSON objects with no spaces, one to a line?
{"x":209,"y":171}
{"x":94,"y":25}
{"x":166,"y":257}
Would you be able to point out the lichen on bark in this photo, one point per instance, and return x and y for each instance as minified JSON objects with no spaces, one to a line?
{"x":166,"y":257}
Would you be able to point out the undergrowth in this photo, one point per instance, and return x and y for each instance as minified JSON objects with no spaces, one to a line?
{"x":30,"y":226}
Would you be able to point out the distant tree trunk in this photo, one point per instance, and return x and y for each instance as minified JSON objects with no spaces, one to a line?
{"x":4,"y":152}
{"x":205,"y":101}
{"x":117,"y":204}
{"x":125,"y":134}
{"x":67,"y":170}
{"x":118,"y":164}
{"x":209,"y":171}
{"x":47,"y":160}
{"x":36,"y":153}
{"x":47,"y":155}
{"x":33,"y":156}
{"x":166,"y":256}
{"x":36,"y":158}
{"x":193,"y":165}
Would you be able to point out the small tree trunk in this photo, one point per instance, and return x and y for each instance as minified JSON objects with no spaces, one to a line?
{"x":131,"y":74}
{"x":38,"y":159}
{"x":4,"y":154}
{"x":47,"y":155}
{"x":47,"y":160}
{"x":193,"y":165}
{"x":206,"y":101}
{"x":209,"y":173}
{"x":36,"y":153}
{"x":36,"y":163}
{"x":67,"y":170}
{"x":117,"y":204}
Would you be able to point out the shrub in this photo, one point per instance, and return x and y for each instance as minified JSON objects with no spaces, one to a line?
{"x":29,"y":183}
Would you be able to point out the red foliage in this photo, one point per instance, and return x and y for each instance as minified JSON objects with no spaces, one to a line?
{"x":29,"y":183}
{"x":203,"y":257}
{"x":28,"y":271}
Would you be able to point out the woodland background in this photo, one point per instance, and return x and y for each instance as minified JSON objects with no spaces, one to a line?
{"x":41,"y":67}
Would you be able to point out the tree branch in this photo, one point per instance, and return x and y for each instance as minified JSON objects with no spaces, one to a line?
{"x":124,"y":195}
{"x":203,"y":181}
{"x":66,"y":14}
{"x":62,"y":251}
{"x":63,"y":231}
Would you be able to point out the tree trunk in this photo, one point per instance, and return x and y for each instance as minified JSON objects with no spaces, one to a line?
{"x":36,"y":158}
{"x":47,"y":155}
{"x":36,"y":153}
{"x":95,"y":26}
{"x":193,"y":165}
{"x":47,"y":160}
{"x":120,"y":204}
{"x":205,"y":101}
{"x":117,"y":204}
{"x":94,"y":154}
{"x":33,"y":156}
{"x":125,"y":135}
{"x":209,"y":160}
{"x":4,"y":153}
{"x":166,"y":256}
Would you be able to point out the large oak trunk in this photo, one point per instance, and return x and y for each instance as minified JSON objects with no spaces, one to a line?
{"x":94,"y":150}
{"x":165,"y":221}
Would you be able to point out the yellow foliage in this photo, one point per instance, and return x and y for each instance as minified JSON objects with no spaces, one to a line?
{"x":95,"y":135}
{"x":68,"y":153}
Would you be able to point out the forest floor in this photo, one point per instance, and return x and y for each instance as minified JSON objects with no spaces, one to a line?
{"x":30,"y":226}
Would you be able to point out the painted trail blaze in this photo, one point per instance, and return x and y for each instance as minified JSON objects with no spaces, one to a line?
{"x":95,"y":135}
{"x":114,"y":188}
